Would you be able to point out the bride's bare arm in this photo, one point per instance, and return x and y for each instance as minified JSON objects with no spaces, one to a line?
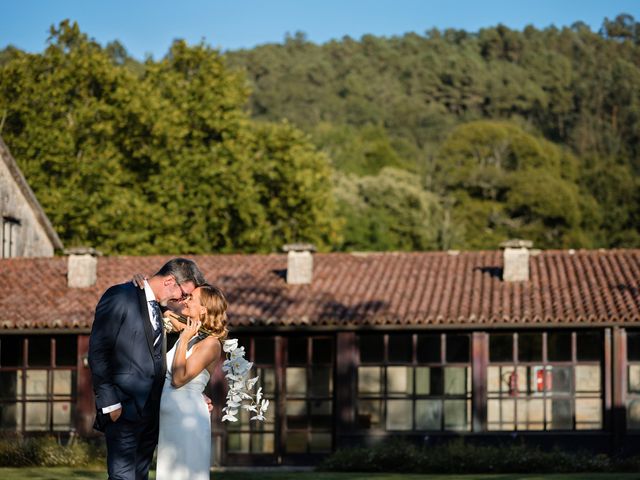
{"x":204,"y":353}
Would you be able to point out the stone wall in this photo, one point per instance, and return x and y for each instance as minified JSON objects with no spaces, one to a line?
{"x":30,"y":236}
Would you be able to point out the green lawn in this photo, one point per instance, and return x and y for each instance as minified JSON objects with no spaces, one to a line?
{"x":95,"y":474}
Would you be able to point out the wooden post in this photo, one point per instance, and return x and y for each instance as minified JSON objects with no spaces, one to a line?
{"x":85,"y":402}
{"x":345,"y":385}
{"x":619,"y":413}
{"x":479,"y":365}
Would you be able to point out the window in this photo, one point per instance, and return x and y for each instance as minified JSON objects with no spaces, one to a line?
{"x":38,"y":382}
{"x":309,"y":394}
{"x":633,"y":379}
{"x":545,"y":381}
{"x":414,"y":381}
{"x":246,"y":436}
{"x":9,"y":235}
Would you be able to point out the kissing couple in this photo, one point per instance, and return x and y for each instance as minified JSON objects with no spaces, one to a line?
{"x":146,"y":396}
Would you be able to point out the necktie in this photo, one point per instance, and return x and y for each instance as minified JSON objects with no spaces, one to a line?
{"x":157,"y":321}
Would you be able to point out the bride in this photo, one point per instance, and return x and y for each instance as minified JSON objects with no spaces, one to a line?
{"x":184,"y":444}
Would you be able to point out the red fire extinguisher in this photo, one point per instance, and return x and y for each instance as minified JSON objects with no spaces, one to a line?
{"x":543,"y":380}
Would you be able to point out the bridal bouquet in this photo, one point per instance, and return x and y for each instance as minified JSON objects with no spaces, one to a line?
{"x":240,"y":394}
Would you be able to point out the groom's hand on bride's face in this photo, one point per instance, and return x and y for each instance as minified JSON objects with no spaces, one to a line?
{"x":115,"y":415}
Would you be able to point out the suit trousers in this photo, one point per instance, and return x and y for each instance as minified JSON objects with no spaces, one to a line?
{"x":130,"y":447}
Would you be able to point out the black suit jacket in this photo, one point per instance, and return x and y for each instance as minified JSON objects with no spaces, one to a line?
{"x":124,"y":367}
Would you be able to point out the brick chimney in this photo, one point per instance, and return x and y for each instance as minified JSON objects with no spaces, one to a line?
{"x":82,"y":267}
{"x":299,"y":263}
{"x":516,"y":260}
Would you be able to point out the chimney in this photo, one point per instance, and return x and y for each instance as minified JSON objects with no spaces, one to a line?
{"x":516,"y":260}
{"x":82,"y":266}
{"x":299,"y":263}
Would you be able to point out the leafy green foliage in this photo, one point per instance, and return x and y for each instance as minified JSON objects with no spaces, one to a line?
{"x":448,"y":139}
{"x":160,"y":158}
{"x":475,"y":116}
{"x":460,"y":457}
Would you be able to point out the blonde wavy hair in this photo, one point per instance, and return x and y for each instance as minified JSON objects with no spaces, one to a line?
{"x":215,"y":319}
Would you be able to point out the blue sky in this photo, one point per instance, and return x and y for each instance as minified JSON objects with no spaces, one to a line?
{"x":147,"y":27}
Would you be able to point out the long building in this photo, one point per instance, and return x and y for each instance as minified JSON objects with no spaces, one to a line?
{"x":352,"y":348}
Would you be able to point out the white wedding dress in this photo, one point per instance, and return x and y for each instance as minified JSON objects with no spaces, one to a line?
{"x":184,"y":443}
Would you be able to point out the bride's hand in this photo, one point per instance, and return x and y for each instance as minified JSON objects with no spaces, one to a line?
{"x":138,"y":279}
{"x":191,"y":329}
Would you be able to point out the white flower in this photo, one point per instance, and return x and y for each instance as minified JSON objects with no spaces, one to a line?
{"x":230,"y":345}
{"x":237,"y":370}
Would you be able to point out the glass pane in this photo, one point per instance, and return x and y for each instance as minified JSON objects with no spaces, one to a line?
{"x":322,"y":350}
{"x":423,"y":380}
{"x":320,"y":442}
{"x":633,"y":414}
{"x":10,"y":416}
{"x":321,"y":382}
{"x":296,"y":378}
{"x":559,"y":413}
{"x":265,"y":350}
{"x":530,"y":347}
{"x":588,"y":378}
{"x":634,"y":378}
{"x":369,"y":380}
{"x":39,"y":351}
{"x":36,"y":384}
{"x":399,"y":415}
{"x":62,"y":383}
{"x":297,"y":350}
{"x":588,"y":413}
{"x":428,"y":415}
{"x":399,"y":380}
{"x":501,"y":414}
{"x":296,"y":442}
{"x":296,"y":414}
{"x":400,"y":347}
{"x":369,"y":413}
{"x":10,"y":351}
{"x":321,"y":414}
{"x":238,"y":442}
{"x":530,"y":414}
{"x":66,"y":350}
{"x":589,"y":345}
{"x":458,"y":346}
{"x":559,"y":346}
{"x":371,"y":348}
{"x":36,"y":416}
{"x":500,"y":347}
{"x":633,"y":346}
{"x":262,"y":443}
{"x":267,"y":380}
{"x":494,"y":383}
{"x":560,"y":379}
{"x":429,"y":347}
{"x":456,"y":414}
{"x":9,"y":385}
{"x":62,"y":415}
{"x":437,"y":381}
{"x":455,"y":380}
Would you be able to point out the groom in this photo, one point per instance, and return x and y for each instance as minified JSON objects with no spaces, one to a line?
{"x":127,"y":350}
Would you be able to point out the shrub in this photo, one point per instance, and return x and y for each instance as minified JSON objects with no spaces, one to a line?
{"x":48,"y":452}
{"x":460,"y":457}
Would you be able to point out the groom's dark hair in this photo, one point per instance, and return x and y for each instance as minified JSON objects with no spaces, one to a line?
{"x":183,"y":270}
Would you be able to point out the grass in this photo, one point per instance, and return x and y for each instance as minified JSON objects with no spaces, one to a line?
{"x":62,"y":473}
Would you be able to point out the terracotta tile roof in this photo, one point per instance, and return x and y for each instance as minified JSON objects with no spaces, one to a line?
{"x":351,"y":290}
